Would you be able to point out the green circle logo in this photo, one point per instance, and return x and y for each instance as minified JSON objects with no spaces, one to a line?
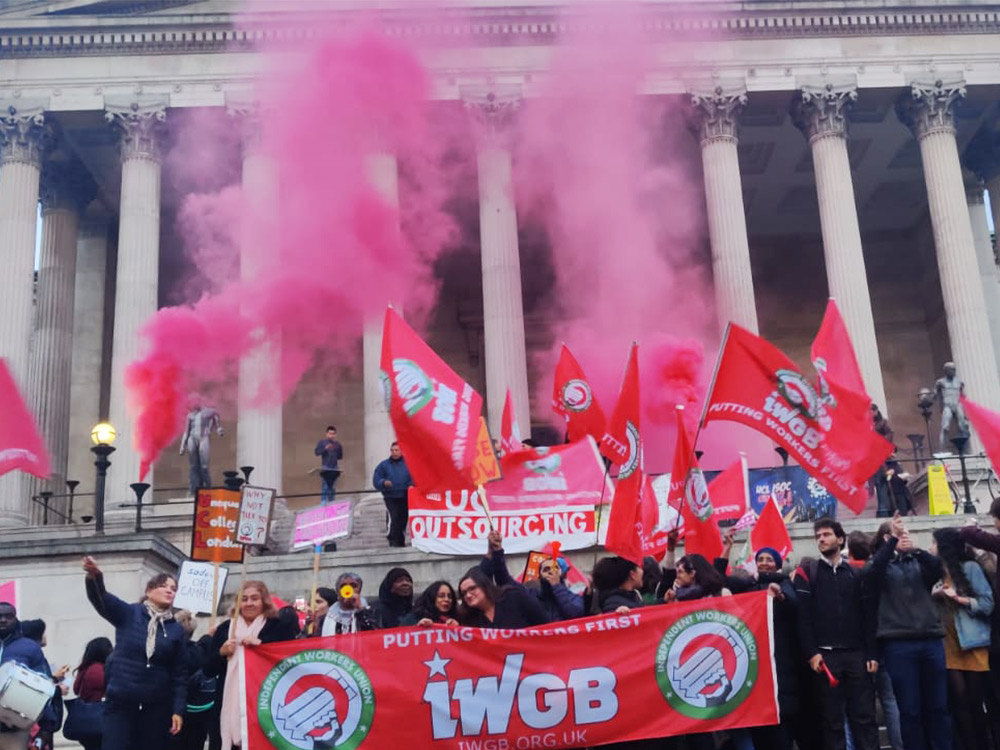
{"x":706,"y":664}
{"x":316,"y":700}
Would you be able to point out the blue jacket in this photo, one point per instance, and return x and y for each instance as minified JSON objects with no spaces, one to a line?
{"x":15,"y":647}
{"x":393,"y":469}
{"x":558,"y":601}
{"x":972,"y":623}
{"x":132,"y":678}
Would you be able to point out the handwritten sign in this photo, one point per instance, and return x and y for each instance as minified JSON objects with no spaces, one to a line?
{"x":255,"y":515}
{"x":322,"y":524}
{"x":216,"y":515}
{"x":195,"y":585}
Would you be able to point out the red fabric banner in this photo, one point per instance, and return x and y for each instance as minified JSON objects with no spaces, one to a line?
{"x":986,"y":423}
{"x":689,"y":492}
{"x":658,"y":671}
{"x":574,"y":400}
{"x":434,"y":412}
{"x":758,"y":386}
{"x":21,"y":446}
{"x":770,"y":531}
{"x":729,"y":493}
{"x":510,"y":430}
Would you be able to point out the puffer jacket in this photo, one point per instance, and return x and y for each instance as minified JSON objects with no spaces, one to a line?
{"x":15,"y":647}
{"x":132,"y":678}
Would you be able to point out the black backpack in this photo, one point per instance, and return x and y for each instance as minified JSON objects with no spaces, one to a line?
{"x":202,"y":691}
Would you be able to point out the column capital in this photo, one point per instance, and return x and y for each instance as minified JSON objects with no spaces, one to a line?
{"x":930,"y":107}
{"x":716,"y":113}
{"x":140,"y":124}
{"x":492,"y":112}
{"x":24,"y":136}
{"x":821,"y":110}
{"x":66,"y":184}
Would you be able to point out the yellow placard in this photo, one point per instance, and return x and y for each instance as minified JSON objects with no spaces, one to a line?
{"x":938,"y":492}
{"x":485,"y":466}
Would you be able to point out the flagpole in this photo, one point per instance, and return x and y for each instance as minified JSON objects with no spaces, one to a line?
{"x":711,"y":387}
{"x":600,"y":505}
{"x":486,"y":506}
{"x":746,"y":481}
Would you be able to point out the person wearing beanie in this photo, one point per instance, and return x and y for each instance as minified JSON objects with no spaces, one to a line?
{"x":395,"y":598}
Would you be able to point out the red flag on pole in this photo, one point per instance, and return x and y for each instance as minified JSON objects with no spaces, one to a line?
{"x":729,"y":492}
{"x":758,"y":386}
{"x":986,"y":423}
{"x":434,"y":412}
{"x":833,"y":357}
{"x":21,"y":447}
{"x":770,"y":531}
{"x":510,"y":430}
{"x":689,"y":492}
{"x":574,"y":400}
{"x":623,"y":446}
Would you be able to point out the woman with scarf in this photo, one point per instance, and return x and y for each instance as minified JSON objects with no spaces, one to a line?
{"x":395,"y":598}
{"x":437,"y":605}
{"x":253,"y":621}
{"x":147,"y":687}
{"x":349,"y":612}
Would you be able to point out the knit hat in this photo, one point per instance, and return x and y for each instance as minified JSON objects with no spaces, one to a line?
{"x":772,"y":552}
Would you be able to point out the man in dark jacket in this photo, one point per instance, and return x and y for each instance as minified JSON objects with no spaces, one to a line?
{"x":392,"y":479}
{"x":911,"y":636}
{"x":836,"y":634}
{"x":14,"y":646}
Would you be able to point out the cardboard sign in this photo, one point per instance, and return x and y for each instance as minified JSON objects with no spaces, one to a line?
{"x":938,"y":492}
{"x":255,"y":515}
{"x":195,"y":584}
{"x":216,"y":515}
{"x":533,"y":566}
{"x":485,"y":467}
{"x":322,"y":524}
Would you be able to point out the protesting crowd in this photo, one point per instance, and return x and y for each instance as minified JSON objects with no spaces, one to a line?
{"x":867,"y":623}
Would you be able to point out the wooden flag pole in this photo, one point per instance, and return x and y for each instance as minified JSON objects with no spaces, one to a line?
{"x":600,"y":507}
{"x":486,"y":506}
{"x":215,"y":592}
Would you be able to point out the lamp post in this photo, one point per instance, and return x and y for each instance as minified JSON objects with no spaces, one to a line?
{"x":71,"y":485}
{"x":925,"y":402}
{"x":102,"y":436}
{"x":960,"y":442}
{"x":247,"y":471}
{"x":139,"y":488}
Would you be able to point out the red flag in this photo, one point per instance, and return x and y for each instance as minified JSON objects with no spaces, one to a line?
{"x":689,"y":492}
{"x":770,"y":531}
{"x":21,"y":447}
{"x":757,"y":385}
{"x":573,"y":398}
{"x":434,"y":412}
{"x":729,"y":492}
{"x":987,"y":425}
{"x":623,"y":446}
{"x":833,"y":357}
{"x":510,"y":431}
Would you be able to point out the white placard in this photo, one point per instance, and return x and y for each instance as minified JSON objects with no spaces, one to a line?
{"x":255,"y":515}
{"x":194,"y":587}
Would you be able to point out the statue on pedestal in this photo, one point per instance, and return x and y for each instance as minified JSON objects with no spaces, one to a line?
{"x":201,"y":420}
{"x":948,"y":392}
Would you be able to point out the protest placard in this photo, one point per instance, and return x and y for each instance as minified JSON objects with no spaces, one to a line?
{"x":195,"y":585}
{"x":322,"y":524}
{"x":255,"y":514}
{"x":216,"y":513}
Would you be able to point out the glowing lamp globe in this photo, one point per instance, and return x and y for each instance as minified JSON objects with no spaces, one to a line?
{"x":103,"y":434}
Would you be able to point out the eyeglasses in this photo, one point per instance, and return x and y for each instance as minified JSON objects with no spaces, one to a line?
{"x":469,"y":589}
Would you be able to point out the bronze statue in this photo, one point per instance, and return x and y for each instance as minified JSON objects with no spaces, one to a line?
{"x":201,"y":420}
{"x":948,"y":392}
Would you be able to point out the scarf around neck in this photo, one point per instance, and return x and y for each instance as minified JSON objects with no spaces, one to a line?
{"x":157,"y":616}
{"x":230,"y":722}
{"x":342,"y":620}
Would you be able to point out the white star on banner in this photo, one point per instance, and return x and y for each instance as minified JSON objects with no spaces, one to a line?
{"x":437,"y":665}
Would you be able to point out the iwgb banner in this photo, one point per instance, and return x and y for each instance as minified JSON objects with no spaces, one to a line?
{"x":658,"y":671}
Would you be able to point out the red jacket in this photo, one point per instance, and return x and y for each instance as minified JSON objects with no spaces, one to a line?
{"x":89,"y":684}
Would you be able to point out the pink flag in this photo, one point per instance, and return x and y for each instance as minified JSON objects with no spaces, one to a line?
{"x":21,"y":447}
{"x":510,"y":431}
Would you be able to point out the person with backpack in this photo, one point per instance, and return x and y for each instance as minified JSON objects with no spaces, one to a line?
{"x":85,"y":722}
{"x":835,"y":624}
{"x":201,"y":717}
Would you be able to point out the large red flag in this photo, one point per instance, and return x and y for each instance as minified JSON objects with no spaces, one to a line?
{"x":510,"y":430}
{"x":987,"y":425}
{"x":21,"y":447}
{"x":574,"y":400}
{"x":833,"y":357}
{"x":770,"y":531}
{"x":729,"y":492}
{"x":434,"y":412}
{"x":757,"y":385}
{"x":689,"y":492}
{"x":623,"y":445}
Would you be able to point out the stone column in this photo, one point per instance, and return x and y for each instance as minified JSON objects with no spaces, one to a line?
{"x":928,"y":110}
{"x":22,"y":139}
{"x":88,"y":349}
{"x":383,"y":174}
{"x":259,"y":437}
{"x":718,"y":120}
{"x":503,"y":307}
{"x":137,"y":280}
{"x":66,"y":189}
{"x":821,"y":113}
{"x":976,"y":201}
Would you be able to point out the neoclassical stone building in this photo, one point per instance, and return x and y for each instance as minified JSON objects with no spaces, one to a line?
{"x":845,"y":148}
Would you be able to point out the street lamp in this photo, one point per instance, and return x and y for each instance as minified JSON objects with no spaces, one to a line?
{"x":960,"y":442}
{"x":102,"y":436}
{"x":925,"y":402}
